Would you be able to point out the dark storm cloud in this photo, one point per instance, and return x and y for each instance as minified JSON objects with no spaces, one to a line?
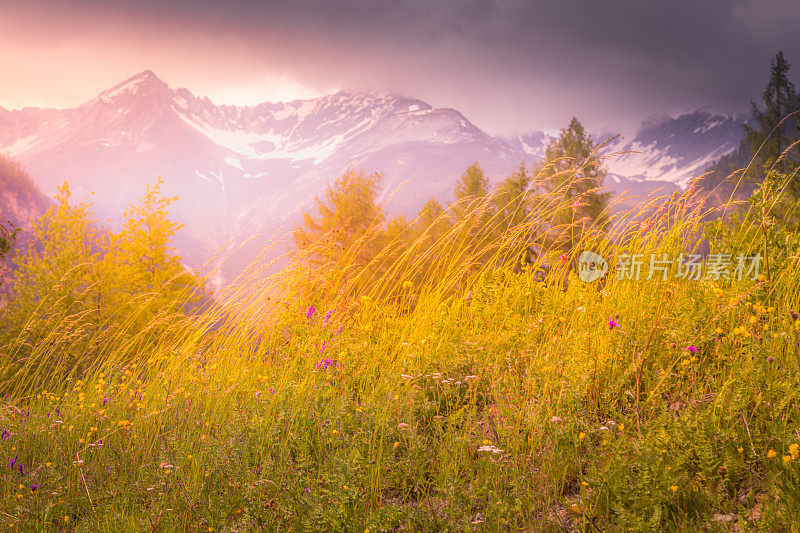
{"x":507,"y":64}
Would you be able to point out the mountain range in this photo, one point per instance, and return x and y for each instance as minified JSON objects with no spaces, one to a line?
{"x":241,"y":171}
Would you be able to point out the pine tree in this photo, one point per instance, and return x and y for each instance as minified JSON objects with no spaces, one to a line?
{"x":345,"y":223}
{"x":777,"y":126}
{"x":471,"y":188}
{"x":574,"y":170}
{"x":432,"y":221}
{"x":511,"y":198}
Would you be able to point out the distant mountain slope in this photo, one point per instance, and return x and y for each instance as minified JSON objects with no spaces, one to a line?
{"x":675,"y":149}
{"x":246,"y":170}
{"x":20,"y":199}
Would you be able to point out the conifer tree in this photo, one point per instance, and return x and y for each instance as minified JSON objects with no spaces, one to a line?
{"x":511,"y":198}
{"x":346,"y":222}
{"x":471,"y":188}
{"x":573,"y":168}
{"x":777,"y":126}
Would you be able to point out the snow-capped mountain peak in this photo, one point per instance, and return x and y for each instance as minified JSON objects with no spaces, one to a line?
{"x":240,"y":170}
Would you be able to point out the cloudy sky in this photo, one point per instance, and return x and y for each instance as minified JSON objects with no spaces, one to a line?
{"x":508,"y":65}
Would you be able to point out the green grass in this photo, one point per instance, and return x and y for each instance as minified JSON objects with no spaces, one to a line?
{"x":226,"y":423}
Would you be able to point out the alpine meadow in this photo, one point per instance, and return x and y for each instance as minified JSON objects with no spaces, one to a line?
{"x":355,"y":311}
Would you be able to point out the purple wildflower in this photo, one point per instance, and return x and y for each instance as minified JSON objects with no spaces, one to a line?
{"x":5,"y":435}
{"x":310,"y":312}
{"x":105,"y":401}
{"x":14,"y":461}
{"x":324,"y":344}
{"x":693,"y":349}
{"x":323,"y":363}
{"x":57,"y":411}
{"x":327,"y":318}
{"x":258,"y":472}
{"x":272,"y":390}
{"x":612,"y":324}
{"x":34,"y":487}
{"x":21,"y":471}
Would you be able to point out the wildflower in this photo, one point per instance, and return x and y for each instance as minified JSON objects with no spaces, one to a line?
{"x":272,"y":390}
{"x":771,"y":453}
{"x":564,"y":257}
{"x":310,"y":312}
{"x":693,"y":349}
{"x":674,"y":488}
{"x":786,"y":458}
{"x":612,"y":324}
{"x":324,"y":363}
{"x":327,"y":318}
{"x":395,"y":445}
{"x":5,"y":435}
{"x":576,"y":205}
{"x":489,"y":448}
{"x":794,"y":451}
{"x":581,"y":435}
{"x":34,"y":487}
{"x":13,"y":462}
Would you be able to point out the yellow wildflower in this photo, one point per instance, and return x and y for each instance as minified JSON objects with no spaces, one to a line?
{"x":794,"y":450}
